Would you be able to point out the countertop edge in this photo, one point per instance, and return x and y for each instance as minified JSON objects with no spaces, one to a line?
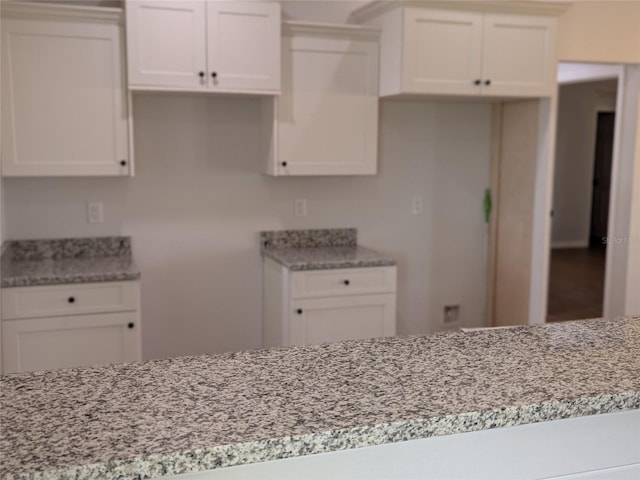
{"x":329,"y":264}
{"x":43,"y":280}
{"x":222,"y":456}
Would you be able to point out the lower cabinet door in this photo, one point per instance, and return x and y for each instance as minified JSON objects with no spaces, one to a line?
{"x":322,"y":320}
{"x":64,"y":342}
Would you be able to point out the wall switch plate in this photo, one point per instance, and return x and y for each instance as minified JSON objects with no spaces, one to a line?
{"x":416,"y":205}
{"x":451,"y":315}
{"x":95,"y":212}
{"x":300,"y":207}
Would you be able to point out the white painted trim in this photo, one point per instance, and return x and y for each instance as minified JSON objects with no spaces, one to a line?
{"x":549,"y":7}
{"x":614,"y":221}
{"x":354,"y":32}
{"x":569,"y":244}
{"x":632,"y":306}
{"x":541,"y":238}
{"x":201,"y":91}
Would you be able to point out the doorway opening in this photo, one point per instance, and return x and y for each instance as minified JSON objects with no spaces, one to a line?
{"x":582,"y":191}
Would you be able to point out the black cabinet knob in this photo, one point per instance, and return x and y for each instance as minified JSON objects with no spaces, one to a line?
{"x":284,"y":164}
{"x":201,"y":74}
{"x":487,"y":82}
{"x":131,"y":325}
{"x":346,"y":282}
{"x":299,"y":311}
{"x":477,"y":82}
{"x":71,"y":299}
{"x":123,"y":163}
{"x":214,"y":75}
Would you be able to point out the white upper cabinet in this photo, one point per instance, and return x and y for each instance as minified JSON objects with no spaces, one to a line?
{"x":204,"y":46}
{"x":64,"y":101}
{"x":326,"y":119}
{"x":473,"y":49}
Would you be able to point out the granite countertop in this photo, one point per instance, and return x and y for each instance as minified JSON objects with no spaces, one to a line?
{"x":28,"y":263}
{"x":320,"y":249}
{"x":197,"y":413}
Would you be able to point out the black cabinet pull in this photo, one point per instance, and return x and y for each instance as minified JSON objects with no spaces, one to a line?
{"x":487,"y":82}
{"x":284,"y":164}
{"x":71,"y":299}
{"x":477,"y":82}
{"x":347,"y":282}
{"x":201,"y":74}
{"x":299,"y":311}
{"x":131,"y":325}
{"x":214,"y":75}
{"x":123,"y":163}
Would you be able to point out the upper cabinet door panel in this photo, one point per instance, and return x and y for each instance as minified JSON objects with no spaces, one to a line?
{"x":518,"y":55}
{"x":328,"y":111}
{"x":166,"y":43}
{"x":243,"y":45}
{"x":64,"y":106}
{"x":442,"y":51}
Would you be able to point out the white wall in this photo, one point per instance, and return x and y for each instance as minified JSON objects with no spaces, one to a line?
{"x":577,"y":114}
{"x":198,"y":200}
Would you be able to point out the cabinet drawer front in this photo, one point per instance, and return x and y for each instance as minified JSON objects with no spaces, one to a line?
{"x":66,"y":342}
{"x":348,"y":281}
{"x":76,"y":299}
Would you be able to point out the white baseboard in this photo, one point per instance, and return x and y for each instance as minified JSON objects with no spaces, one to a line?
{"x":570,"y":244}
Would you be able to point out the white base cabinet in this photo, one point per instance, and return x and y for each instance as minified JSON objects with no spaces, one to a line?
{"x":320,"y":306}
{"x":63,"y":326}
{"x":325,"y":122}
{"x":64,"y":98}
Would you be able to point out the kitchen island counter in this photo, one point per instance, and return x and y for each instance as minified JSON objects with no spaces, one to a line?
{"x":198,"y":413}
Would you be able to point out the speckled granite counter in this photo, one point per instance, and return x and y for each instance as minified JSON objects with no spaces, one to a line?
{"x":72,"y":260}
{"x":198,"y":413}
{"x":320,"y":249}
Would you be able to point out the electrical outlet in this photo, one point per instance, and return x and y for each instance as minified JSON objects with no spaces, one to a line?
{"x":416,"y":205}
{"x":300,"y":207}
{"x":95,"y":212}
{"x":451,"y":314}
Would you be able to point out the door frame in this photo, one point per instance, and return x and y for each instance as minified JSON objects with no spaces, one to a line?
{"x":617,"y":294}
{"x":619,"y":297}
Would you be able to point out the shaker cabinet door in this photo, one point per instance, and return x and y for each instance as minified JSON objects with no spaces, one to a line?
{"x":64,"y":104}
{"x":166,"y":43}
{"x":72,"y":341}
{"x":518,"y":56}
{"x":328,"y":110}
{"x":334,"y":319}
{"x":443,"y":51}
{"x":243,"y":45}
